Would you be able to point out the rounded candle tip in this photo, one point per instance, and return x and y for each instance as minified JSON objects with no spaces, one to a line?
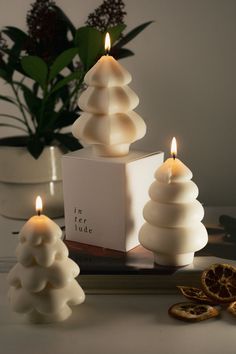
{"x":39,"y":205}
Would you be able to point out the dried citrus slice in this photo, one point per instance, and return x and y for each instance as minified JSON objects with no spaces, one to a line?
{"x":219,"y":282}
{"x":232,"y":308}
{"x":192,"y":312}
{"x":195,"y":294}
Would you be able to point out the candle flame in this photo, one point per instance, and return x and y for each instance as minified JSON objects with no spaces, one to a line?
{"x":173,"y":148}
{"x":39,"y":205}
{"x":107,"y":43}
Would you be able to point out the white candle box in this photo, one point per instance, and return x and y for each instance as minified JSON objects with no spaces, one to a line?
{"x":104,"y":197}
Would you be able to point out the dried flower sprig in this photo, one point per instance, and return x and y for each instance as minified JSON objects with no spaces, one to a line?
{"x":110,"y":13}
{"x":47,"y":32}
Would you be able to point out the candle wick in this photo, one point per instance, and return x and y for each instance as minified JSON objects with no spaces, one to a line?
{"x":38,"y":212}
{"x":174,"y":156}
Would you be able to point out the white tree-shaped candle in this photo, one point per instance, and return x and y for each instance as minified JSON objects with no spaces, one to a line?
{"x":173,"y":230}
{"x":108,"y":122}
{"x":42,"y":283}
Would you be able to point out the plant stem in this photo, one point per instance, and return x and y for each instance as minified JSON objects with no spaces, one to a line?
{"x":22,"y":104}
{"x":41,"y":115}
{"x":21,"y":108}
{"x":21,"y":82}
{"x":72,"y":93}
{"x":76,"y":95}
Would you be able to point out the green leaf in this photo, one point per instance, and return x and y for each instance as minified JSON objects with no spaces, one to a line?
{"x":3,"y":115}
{"x":4,"y":75}
{"x":122,"y":53}
{"x":35,"y":146}
{"x":13,"y":57}
{"x":64,"y":18}
{"x":35,"y":88}
{"x":13,"y":64}
{"x":65,"y":81}
{"x":115,"y":32}
{"x":19,"y":39}
{"x":61,"y":62}
{"x":20,"y":84}
{"x":19,"y":140}
{"x":68,"y":141}
{"x":12,"y":126}
{"x":64,"y":93}
{"x":36,"y":68}
{"x":90,"y":44}
{"x":7,"y":99}
{"x":33,"y":103}
{"x":49,"y":120}
{"x":48,"y":137}
{"x":15,"y":34}
{"x":65,"y":119}
{"x":132,"y":34}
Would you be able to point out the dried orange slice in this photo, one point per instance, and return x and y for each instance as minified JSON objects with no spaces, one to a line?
{"x":232,"y":308}
{"x":195,"y":294}
{"x":219,"y":282}
{"x":192,"y":312}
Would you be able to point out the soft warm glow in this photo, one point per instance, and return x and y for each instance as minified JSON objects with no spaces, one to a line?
{"x":107,"y":42}
{"x":39,"y":205}
{"x":173,"y":148}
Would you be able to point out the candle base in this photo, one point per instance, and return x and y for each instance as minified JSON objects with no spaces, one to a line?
{"x":39,"y":318}
{"x":111,"y":150}
{"x":175,"y":260}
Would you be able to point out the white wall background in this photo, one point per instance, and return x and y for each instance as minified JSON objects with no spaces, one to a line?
{"x":184,"y":72}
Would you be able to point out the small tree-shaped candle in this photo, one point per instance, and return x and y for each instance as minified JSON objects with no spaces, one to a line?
{"x":108,"y":123}
{"x":42,"y":283}
{"x":173,"y":230}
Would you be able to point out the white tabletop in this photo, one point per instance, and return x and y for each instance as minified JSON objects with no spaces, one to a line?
{"x":116,"y":324}
{"x":122,"y":324}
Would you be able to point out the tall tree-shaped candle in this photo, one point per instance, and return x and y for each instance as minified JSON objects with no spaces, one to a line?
{"x":108,"y":122}
{"x":42,"y":283}
{"x":173,"y":230}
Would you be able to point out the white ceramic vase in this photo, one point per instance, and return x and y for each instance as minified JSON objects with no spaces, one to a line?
{"x":22,"y":178}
